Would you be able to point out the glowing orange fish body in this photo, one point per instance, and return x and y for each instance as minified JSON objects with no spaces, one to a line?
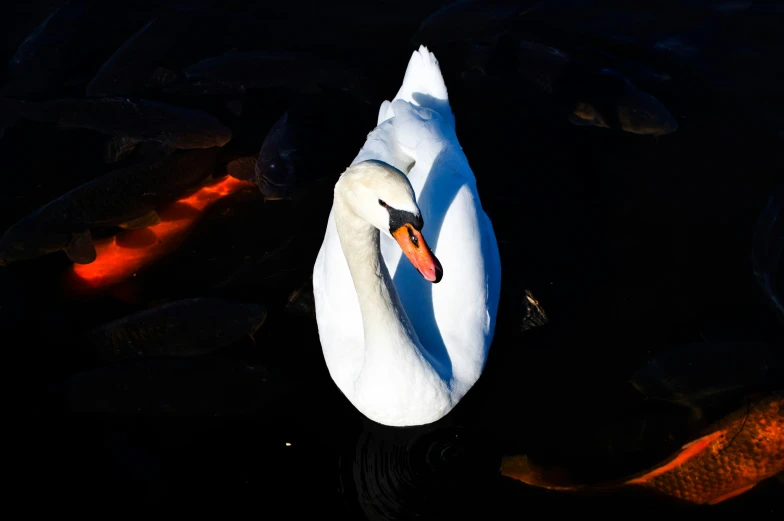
{"x":741,"y":450}
{"x":124,"y":254}
{"x":117,"y":198}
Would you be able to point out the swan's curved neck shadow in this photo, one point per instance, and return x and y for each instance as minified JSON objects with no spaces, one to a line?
{"x":415,"y":292}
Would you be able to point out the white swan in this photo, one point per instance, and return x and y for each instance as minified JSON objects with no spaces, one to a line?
{"x":402,"y":349}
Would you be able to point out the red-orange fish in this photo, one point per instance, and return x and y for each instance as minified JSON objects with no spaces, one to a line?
{"x":739,"y":451}
{"x":130,"y":251}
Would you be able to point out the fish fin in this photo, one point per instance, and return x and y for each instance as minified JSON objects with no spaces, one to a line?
{"x":243,"y":168}
{"x":81,"y":249}
{"x":694,"y":447}
{"x":151,"y":218}
{"x":574,"y":120}
{"x":729,"y":495}
{"x":688,"y":451}
{"x":522,"y":469}
{"x":119,"y":148}
{"x":161,"y":77}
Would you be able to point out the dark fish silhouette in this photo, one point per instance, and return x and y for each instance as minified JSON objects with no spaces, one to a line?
{"x":126,"y":197}
{"x":239,"y":71}
{"x":586,"y":95}
{"x":243,"y":168}
{"x":280,"y":268}
{"x":697,"y":374}
{"x":638,"y":70}
{"x":278,"y":161}
{"x":129,"y":120}
{"x":469,"y":19}
{"x":728,"y":459}
{"x":289,"y":162}
{"x":28,"y":72}
{"x":146,"y":59}
{"x":182,"y":328}
{"x":767,"y":249}
{"x":67,"y":43}
{"x":205,"y":386}
{"x":133,"y":66}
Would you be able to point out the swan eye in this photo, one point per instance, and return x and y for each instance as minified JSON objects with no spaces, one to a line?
{"x":413,"y":238}
{"x":382,"y":203}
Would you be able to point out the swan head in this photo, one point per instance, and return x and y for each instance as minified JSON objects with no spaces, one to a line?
{"x":382,"y":195}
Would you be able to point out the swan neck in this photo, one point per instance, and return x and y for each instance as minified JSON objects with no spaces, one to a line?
{"x":385,"y":323}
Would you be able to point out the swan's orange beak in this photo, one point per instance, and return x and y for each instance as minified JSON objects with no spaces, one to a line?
{"x":416,"y":249}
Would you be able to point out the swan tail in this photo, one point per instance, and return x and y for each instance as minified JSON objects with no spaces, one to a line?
{"x":405,"y":133}
{"x":423,"y":85}
{"x":423,"y":75}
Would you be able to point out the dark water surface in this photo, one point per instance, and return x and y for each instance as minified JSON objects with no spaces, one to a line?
{"x":633,"y":245}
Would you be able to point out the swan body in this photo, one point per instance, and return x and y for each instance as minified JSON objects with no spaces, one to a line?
{"x":405,"y":339}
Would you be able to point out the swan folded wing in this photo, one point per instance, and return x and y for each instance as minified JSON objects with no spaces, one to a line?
{"x":385,"y":112}
{"x":423,"y":134}
{"x":382,"y":145}
{"x":466,"y":300}
{"x":379,"y":145}
{"x":440,"y":165}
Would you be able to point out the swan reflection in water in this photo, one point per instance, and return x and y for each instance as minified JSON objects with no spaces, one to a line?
{"x":438,"y":471}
